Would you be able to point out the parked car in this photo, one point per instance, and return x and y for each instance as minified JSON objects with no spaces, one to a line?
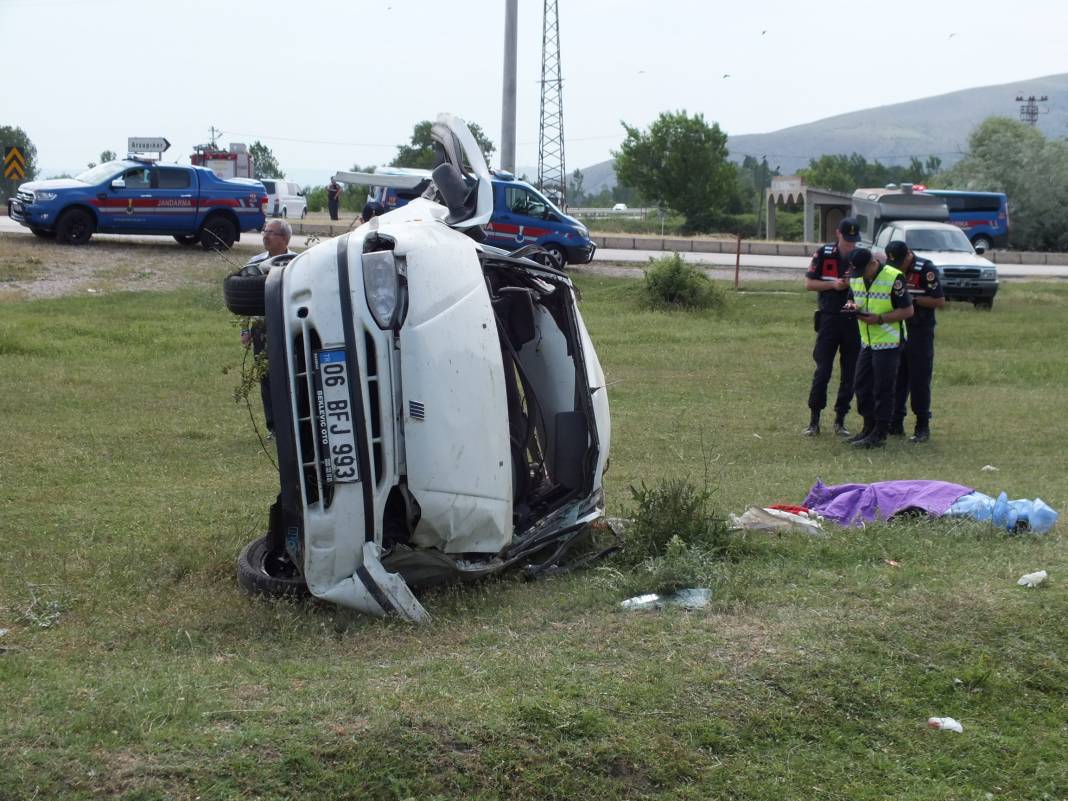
{"x":521,"y":214}
{"x":284,"y":198}
{"x":135,"y":196}
{"x":965,"y":274}
{"x":440,"y":411}
{"x":619,"y":207}
{"x":875,"y":208}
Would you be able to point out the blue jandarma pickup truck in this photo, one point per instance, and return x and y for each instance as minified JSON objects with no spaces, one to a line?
{"x":132,"y":196}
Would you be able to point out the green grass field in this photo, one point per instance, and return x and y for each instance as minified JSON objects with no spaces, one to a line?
{"x":133,"y":667}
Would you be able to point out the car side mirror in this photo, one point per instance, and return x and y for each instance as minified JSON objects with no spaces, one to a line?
{"x":118,"y":183}
{"x":980,"y":249}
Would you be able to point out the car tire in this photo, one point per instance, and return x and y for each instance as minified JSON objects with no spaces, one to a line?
{"x":75,"y":227}
{"x":186,"y":239}
{"x":41,"y":233}
{"x":985,"y":304}
{"x":261,"y":572}
{"x":244,"y":295}
{"x":217,"y":233}
{"x":557,"y":256}
{"x":983,"y":242}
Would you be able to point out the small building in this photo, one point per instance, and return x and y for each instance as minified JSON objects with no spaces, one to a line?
{"x":823,"y":208}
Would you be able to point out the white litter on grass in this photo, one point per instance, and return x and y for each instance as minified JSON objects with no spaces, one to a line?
{"x":695,"y":598}
{"x":3,"y":632}
{"x":945,"y":724}
{"x":777,"y":520}
{"x":1032,"y":579}
{"x":989,"y":468}
{"x":757,"y":436}
{"x":91,"y":290}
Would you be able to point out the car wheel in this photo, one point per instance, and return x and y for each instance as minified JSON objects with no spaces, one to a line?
{"x":984,"y":242}
{"x":41,"y":233}
{"x":186,"y":239}
{"x":261,"y":571}
{"x":557,"y":256}
{"x":75,"y":227}
{"x":218,"y":233}
{"x":985,"y":305}
{"x":244,"y":294}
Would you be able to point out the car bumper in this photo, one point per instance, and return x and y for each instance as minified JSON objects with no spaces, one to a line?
{"x":581,"y":255}
{"x":969,"y":290}
{"x":17,"y":212}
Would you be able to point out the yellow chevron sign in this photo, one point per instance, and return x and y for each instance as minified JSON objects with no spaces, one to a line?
{"x":14,"y":164}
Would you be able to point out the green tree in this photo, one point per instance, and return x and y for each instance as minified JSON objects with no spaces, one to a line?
{"x":16,"y":137}
{"x":107,"y":155}
{"x":680,"y":162}
{"x":1005,"y":155}
{"x":844,"y":173}
{"x":419,"y":152}
{"x":264,"y":164}
{"x":575,"y":194}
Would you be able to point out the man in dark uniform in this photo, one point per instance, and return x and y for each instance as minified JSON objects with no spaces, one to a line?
{"x":917,"y":359}
{"x":881,"y":303}
{"x":828,"y":275}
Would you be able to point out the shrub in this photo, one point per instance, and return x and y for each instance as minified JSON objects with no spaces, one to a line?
{"x":674,"y":509}
{"x":671,"y":282}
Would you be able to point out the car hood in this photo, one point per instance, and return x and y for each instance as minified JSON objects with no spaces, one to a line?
{"x":956,"y":258}
{"x":53,"y":183}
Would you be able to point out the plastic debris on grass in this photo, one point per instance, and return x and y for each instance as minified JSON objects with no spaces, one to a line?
{"x":945,"y":724}
{"x":693,"y":598}
{"x":1032,"y":579}
{"x":1019,"y":515}
{"x":988,"y":468}
{"x":772,"y":519}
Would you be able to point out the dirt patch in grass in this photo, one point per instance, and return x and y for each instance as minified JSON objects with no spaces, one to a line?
{"x":33,"y":269}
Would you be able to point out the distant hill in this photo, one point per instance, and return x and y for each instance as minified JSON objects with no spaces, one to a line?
{"x":933,"y":126}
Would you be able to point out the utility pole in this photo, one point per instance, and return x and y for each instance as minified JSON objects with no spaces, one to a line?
{"x":511,"y":13}
{"x":552,"y":174}
{"x":213,"y":132}
{"x":1029,"y":110}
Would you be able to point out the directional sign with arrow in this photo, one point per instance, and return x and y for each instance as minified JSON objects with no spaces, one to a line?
{"x":147,"y":144}
{"x":14,"y":164}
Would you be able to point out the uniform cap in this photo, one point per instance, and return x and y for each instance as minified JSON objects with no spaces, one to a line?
{"x":860,"y":258}
{"x":896,"y":251}
{"x":849,"y":228}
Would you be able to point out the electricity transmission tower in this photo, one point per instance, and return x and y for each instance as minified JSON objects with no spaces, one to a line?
{"x":552,"y":175}
{"x":1029,"y":110}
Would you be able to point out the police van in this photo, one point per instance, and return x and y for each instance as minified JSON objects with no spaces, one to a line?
{"x":522,"y":215}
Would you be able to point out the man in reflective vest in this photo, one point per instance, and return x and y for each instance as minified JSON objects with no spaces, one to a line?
{"x":878,"y":297}
{"x":828,"y":275}
{"x":917,"y":359}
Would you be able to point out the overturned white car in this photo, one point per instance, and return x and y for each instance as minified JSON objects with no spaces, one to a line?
{"x":440,"y":410}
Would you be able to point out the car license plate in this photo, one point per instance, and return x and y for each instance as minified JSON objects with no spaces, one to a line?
{"x":337,"y":441}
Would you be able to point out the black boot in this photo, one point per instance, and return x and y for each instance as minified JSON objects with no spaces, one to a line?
{"x":876,"y":439}
{"x":922,"y":433}
{"x":813,"y":429}
{"x":840,"y":426}
{"x":869,"y":426}
{"x":897,"y":428}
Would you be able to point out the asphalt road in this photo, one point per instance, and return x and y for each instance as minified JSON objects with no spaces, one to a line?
{"x":721,"y":264}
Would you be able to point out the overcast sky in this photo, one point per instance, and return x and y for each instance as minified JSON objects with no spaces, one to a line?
{"x":327,"y":84}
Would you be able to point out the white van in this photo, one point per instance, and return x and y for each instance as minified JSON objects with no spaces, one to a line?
{"x":284,"y":198}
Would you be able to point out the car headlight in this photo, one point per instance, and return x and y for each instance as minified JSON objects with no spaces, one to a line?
{"x":44,"y":197}
{"x":989,"y":273}
{"x":584,"y":231}
{"x":381,"y":285}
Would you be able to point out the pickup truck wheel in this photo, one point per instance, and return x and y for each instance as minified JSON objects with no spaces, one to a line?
{"x":244,"y":294}
{"x":218,"y":233}
{"x":262,"y":572}
{"x":41,"y":233}
{"x":186,"y":239}
{"x":75,"y":227}
{"x":983,"y":242}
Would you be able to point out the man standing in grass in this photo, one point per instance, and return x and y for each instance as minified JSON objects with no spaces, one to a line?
{"x":882,"y":305}
{"x":917,"y":358}
{"x":828,"y":275}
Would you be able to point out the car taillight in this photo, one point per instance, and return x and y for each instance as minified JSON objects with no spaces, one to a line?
{"x":263,"y":200}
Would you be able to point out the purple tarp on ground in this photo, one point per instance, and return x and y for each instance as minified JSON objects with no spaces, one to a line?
{"x":856,"y":504}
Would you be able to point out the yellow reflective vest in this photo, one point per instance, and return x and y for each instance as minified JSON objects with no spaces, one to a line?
{"x":875,"y":299}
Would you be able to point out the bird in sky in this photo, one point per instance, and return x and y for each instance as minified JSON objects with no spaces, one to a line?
{"x":763,"y":32}
{"x":726,"y":75}
{"x":951,"y":36}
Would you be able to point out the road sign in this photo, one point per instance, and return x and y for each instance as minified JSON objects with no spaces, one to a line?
{"x":14,"y":164}
{"x":147,"y":144}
